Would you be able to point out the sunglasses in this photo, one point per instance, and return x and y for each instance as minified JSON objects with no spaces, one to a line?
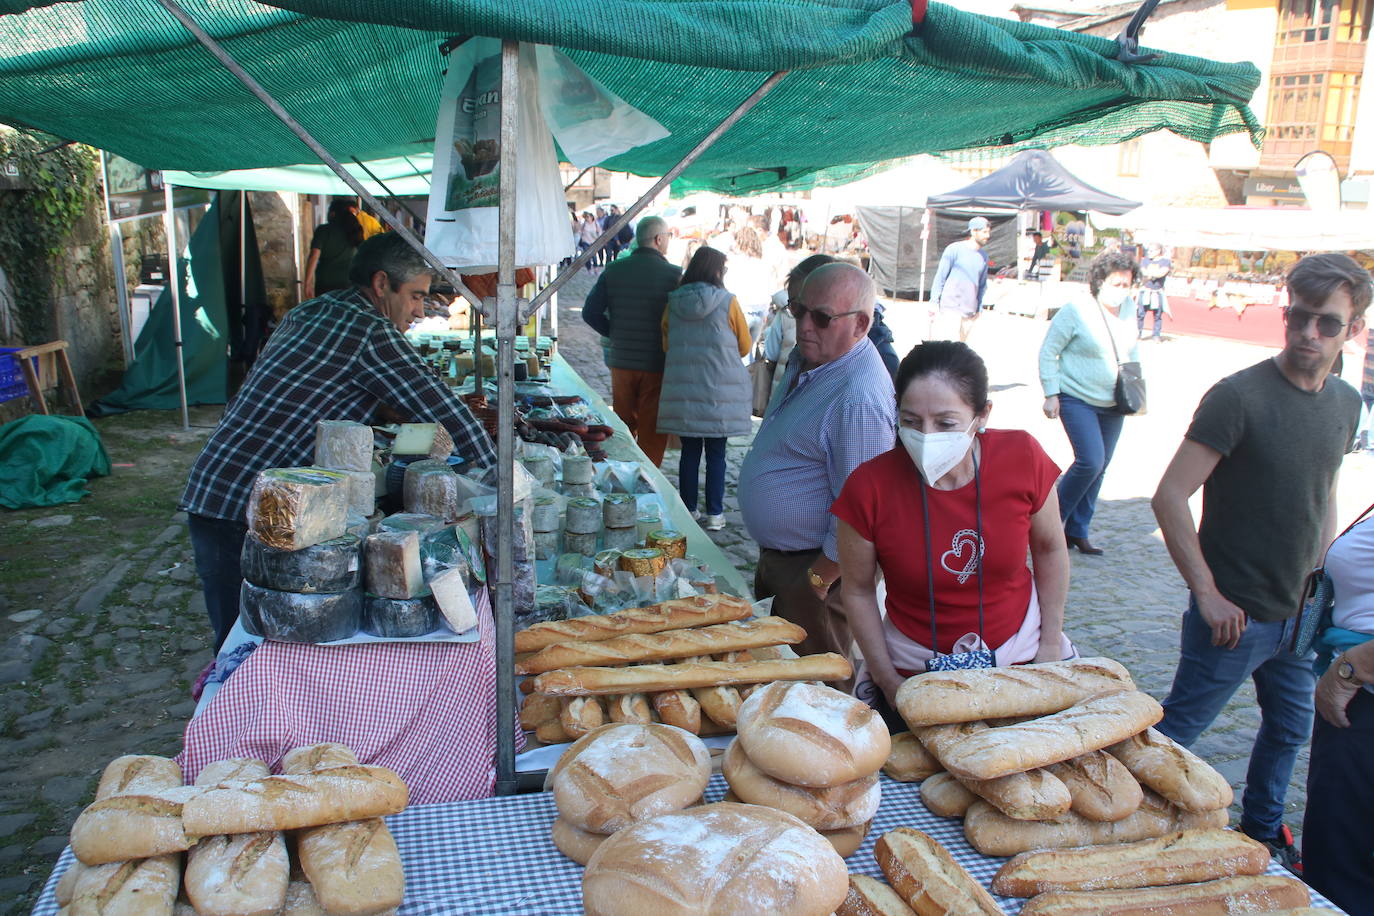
{"x":820,"y":319}
{"x":1327,"y":325}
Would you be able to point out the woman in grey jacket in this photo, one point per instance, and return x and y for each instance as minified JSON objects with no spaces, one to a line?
{"x":707,"y":395}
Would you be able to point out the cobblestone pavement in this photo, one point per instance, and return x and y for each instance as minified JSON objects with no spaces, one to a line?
{"x":1126,"y":604}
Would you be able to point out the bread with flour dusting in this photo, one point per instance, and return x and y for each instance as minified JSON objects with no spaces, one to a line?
{"x":813,"y":736}
{"x":834,"y":808}
{"x":941,"y":697}
{"x":1173,"y":771}
{"x":241,"y":875}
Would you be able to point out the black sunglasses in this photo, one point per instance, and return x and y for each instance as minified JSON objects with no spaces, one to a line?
{"x":1327,"y":325}
{"x":821,"y":319}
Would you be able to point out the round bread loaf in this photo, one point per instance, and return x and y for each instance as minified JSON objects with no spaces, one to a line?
{"x":576,"y":844}
{"x":835,"y":808}
{"x":723,"y":859}
{"x":848,"y":840}
{"x":813,"y":736}
{"x":622,"y":773}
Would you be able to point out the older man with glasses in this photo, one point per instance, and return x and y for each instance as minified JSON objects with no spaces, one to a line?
{"x":1265,"y":446}
{"x":833,"y":410}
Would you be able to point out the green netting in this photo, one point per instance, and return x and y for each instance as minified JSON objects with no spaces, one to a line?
{"x":122,"y":75}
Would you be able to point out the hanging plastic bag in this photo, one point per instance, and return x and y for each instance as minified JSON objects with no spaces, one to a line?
{"x":590,"y":123}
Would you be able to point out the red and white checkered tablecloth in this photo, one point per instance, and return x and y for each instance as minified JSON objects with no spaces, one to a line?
{"x":426,"y":710}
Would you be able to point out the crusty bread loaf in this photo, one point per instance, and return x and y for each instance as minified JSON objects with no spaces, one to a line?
{"x":232,"y":770}
{"x":1183,"y":857}
{"x":301,"y":900}
{"x":846,"y":840}
{"x":701,"y":610}
{"x":621,"y":773}
{"x":846,"y":805}
{"x":927,"y":877}
{"x":640,"y":647}
{"x":1249,"y":894}
{"x":315,"y":757}
{"x":136,"y":773}
{"x":1090,"y":725}
{"x":938,"y":739}
{"x":1173,"y":771}
{"x":630,"y":707}
{"x":284,"y":802}
{"x":723,"y":858}
{"x":66,"y":885}
{"x":1102,"y":789}
{"x":551,"y":732}
{"x":909,"y":761}
{"x":241,"y":875}
{"x":994,"y":834}
{"x":827,"y":666}
{"x":812,"y":736}
{"x":575,"y":843}
{"x":945,"y":796}
{"x":871,"y":897}
{"x":355,"y":868}
{"x":1035,"y":795}
{"x":538,"y":709}
{"x":940,"y":697}
{"x":143,"y":887}
{"x":124,"y":827}
{"x":580,"y":715}
{"x":720,"y":704}
{"x":678,"y":708}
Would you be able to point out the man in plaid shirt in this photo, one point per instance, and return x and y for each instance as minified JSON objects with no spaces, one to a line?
{"x":337,"y":357}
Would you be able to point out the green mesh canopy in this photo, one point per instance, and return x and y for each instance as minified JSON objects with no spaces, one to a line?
{"x":364,"y":77}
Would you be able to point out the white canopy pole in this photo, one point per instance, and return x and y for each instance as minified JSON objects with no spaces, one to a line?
{"x":169,"y":222}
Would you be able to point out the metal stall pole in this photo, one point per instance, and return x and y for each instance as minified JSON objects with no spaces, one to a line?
{"x":126,"y":318}
{"x":897,"y":261}
{"x":169,"y":223}
{"x":507,"y":308}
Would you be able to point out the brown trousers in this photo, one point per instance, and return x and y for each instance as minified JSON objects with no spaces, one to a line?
{"x":634,"y":395}
{"x":783,"y":577}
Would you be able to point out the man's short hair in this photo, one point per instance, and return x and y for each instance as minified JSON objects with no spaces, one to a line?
{"x":1317,"y":276}
{"x":649,"y":228}
{"x":850,"y":284}
{"x":390,"y":254}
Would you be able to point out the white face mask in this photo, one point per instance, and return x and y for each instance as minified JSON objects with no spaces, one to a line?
{"x":936,"y":454}
{"x":1113,"y":298}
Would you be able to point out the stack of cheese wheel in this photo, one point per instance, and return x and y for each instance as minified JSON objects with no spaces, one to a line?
{"x":620,"y":774}
{"x":813,"y":752}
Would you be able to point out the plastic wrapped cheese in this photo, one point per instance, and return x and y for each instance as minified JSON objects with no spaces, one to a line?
{"x":343,"y":445}
{"x":393,"y":564}
{"x":622,"y":538}
{"x":429,"y":439}
{"x":547,"y":544}
{"x":400,"y":618}
{"x":297,"y":617}
{"x":362,"y":492}
{"x":619,"y":510}
{"x":295,"y":508}
{"x":450,"y":589}
{"x":583,"y":516}
{"x":577,"y":469}
{"x":432,"y":488}
{"x":329,"y":566}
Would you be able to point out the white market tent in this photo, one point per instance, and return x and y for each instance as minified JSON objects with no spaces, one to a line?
{"x":1247,"y":228}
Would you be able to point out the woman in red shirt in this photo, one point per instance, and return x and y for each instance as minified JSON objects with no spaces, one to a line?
{"x":948,"y":516}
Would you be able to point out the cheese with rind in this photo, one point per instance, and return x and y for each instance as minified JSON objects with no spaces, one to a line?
{"x":343,"y":445}
{"x":295,"y":508}
{"x":450,"y":588}
{"x":330,"y":566}
{"x":393,"y":564}
{"x":296,"y":617}
{"x":400,"y":617}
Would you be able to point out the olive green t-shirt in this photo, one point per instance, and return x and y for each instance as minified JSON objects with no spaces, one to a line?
{"x":1264,"y":503}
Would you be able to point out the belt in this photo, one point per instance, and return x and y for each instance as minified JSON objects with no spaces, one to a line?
{"x":791,"y":553}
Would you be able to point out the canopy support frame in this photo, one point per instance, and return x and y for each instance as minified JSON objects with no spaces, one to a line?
{"x":169,"y":222}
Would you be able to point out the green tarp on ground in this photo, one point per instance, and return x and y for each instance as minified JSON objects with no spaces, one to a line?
{"x":46,"y":460}
{"x":364,"y":77}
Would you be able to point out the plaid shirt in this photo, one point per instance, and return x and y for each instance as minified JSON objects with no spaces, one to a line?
{"x":332,"y":358}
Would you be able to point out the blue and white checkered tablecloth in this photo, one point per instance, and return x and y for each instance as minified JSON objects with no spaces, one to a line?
{"x":494,"y":855}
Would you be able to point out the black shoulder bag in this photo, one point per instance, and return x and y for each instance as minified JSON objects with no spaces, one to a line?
{"x":1130,"y":381}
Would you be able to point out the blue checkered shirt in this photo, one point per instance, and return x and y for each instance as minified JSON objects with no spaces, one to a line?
{"x":332,"y":358}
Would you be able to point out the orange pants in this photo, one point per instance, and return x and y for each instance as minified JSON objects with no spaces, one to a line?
{"x":634,"y":395}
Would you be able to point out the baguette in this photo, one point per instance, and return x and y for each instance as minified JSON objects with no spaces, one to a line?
{"x":1091,"y":725}
{"x":1102,"y":788}
{"x":871,"y":897}
{"x":536,"y":710}
{"x":680,"y":708}
{"x":580,"y":715}
{"x":680,"y":613}
{"x":639,"y":647}
{"x":241,"y":875}
{"x":1175,"y":858}
{"x":927,"y":877}
{"x":945,"y":796}
{"x":630,"y":707}
{"x":941,"y":697}
{"x":136,"y":773}
{"x":291,"y":802}
{"x":938,"y":739}
{"x":1173,"y":771}
{"x":145,"y":887}
{"x":827,"y":666}
{"x":315,"y":757}
{"x":1248,"y":894}
{"x":994,"y":834}
{"x":1035,"y":795}
{"x":124,"y":827}
{"x":909,"y":761}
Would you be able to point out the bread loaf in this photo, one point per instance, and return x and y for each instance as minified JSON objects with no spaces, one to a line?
{"x":538,"y":709}
{"x":940,"y":697}
{"x":927,"y":877}
{"x":725,"y":859}
{"x":551,"y":732}
{"x":300,"y":900}
{"x":1175,"y":858}
{"x":812,"y":736}
{"x":1173,"y":771}
{"x":291,"y":802}
{"x":847,"y":805}
{"x":575,"y":843}
{"x":846,"y":841}
{"x":909,"y":761}
{"x":580,"y":715}
{"x":1091,"y":725}
{"x":1249,"y":894}
{"x":720,"y":704}
{"x":124,"y":827}
{"x":938,"y":739}
{"x":638,"y":647}
{"x":315,"y":757}
{"x":135,"y":773}
{"x":678,"y":708}
{"x":701,"y":610}
{"x":620,"y":774}
{"x":650,"y":678}
{"x":945,"y":796}
{"x":630,"y":707}
{"x":241,"y":875}
{"x":871,"y":897}
{"x":1102,"y":789}
{"x":1035,"y":795}
{"x":144,"y":887}
{"x":994,"y":834}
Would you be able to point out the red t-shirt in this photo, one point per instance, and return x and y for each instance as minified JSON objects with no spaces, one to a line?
{"x":880,"y":501}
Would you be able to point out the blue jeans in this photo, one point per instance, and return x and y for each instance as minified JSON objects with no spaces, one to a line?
{"x":1206,"y":679}
{"x":217,"y":544}
{"x":687,"y":468}
{"x":1092,"y":432}
{"x":1148,"y":296}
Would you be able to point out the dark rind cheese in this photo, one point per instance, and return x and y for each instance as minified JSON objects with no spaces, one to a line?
{"x":332,"y":566}
{"x":400,"y":617}
{"x":296,"y":617}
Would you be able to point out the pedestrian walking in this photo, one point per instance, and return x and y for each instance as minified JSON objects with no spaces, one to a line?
{"x":1151,"y":300}
{"x":960,"y":282}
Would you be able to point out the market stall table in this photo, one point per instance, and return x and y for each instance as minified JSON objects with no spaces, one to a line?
{"x":494,"y":856}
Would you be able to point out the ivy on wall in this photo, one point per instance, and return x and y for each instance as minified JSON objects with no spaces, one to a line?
{"x":56,"y":186}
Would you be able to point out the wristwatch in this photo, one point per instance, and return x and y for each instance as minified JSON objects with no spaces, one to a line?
{"x":816,"y":580}
{"x":1346,"y":672}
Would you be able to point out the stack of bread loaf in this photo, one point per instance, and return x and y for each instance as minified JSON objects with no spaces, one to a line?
{"x":688,"y":662}
{"x":813,"y":752}
{"x":128,"y":843}
{"x":923,"y":878}
{"x":621,"y":774}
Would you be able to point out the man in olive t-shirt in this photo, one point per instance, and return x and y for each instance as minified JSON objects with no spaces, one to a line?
{"x":1265,"y":445}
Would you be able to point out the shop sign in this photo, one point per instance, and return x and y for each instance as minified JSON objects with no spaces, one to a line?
{"x":1282,"y":188}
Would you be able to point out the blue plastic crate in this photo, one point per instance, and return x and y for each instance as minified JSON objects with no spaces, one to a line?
{"x":12,"y":384}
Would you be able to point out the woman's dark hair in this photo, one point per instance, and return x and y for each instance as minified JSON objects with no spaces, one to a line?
{"x":341,"y":216}
{"x":1313,"y":279}
{"x":707,"y":266}
{"x":1108,"y":263}
{"x":952,"y":360}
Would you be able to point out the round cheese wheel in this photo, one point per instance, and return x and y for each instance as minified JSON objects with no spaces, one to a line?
{"x":330,"y":566}
{"x":809,"y":735}
{"x":834,"y":808}
{"x":399,"y":618}
{"x":297,"y":617}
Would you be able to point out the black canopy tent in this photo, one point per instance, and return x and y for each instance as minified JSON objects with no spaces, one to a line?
{"x":1034,"y":180}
